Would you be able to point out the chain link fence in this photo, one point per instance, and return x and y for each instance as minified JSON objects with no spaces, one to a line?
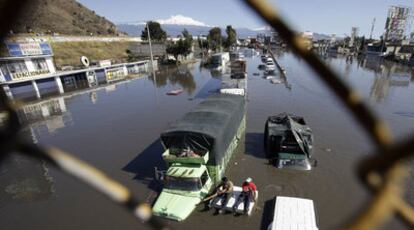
{"x":383,"y":173}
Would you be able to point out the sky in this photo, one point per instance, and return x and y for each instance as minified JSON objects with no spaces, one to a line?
{"x":321,"y":16}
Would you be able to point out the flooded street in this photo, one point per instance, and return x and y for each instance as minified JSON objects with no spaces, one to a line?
{"x":117,"y":128}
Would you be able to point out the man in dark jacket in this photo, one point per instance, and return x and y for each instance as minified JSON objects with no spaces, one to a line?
{"x":224,"y":190}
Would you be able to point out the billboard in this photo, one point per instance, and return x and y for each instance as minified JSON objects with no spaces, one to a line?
{"x":29,"y":49}
{"x":397,"y":21}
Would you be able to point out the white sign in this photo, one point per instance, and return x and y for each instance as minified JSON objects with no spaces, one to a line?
{"x":105,"y":63}
{"x":30,"y":49}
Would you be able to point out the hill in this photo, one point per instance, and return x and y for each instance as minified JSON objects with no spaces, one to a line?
{"x":63,"y":17}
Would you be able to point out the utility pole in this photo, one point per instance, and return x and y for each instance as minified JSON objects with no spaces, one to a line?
{"x":372,"y":28}
{"x":150,"y":46}
{"x":152,"y":64}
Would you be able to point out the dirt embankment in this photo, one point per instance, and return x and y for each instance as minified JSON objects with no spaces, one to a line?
{"x":69,"y":53}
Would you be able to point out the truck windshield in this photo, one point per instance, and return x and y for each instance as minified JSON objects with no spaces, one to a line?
{"x":182,"y":183}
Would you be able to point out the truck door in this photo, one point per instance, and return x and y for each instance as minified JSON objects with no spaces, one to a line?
{"x":205,"y":182}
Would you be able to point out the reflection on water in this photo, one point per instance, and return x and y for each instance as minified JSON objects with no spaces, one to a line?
{"x":49,"y":115}
{"x":180,"y":75}
{"x":387,"y":75}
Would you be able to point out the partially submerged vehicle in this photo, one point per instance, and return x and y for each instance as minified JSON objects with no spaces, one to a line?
{"x":219,"y":59}
{"x":198,"y":148}
{"x":217,"y":201}
{"x":288,"y":141}
{"x":276,"y":81}
{"x":270,"y":66}
{"x":264,"y":57}
{"x":293,"y":213}
{"x":238,"y":75}
{"x":236,"y":82}
{"x":238,"y":66}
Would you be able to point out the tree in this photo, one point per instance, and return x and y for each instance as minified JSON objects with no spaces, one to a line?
{"x":346,"y":41}
{"x":182,"y":47}
{"x":156,"y":32}
{"x":188,"y":41}
{"x":214,"y":38}
{"x":202,"y":44}
{"x":187,"y":36}
{"x":231,"y":36}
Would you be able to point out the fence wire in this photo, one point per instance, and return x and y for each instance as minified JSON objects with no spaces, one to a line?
{"x":383,"y":173}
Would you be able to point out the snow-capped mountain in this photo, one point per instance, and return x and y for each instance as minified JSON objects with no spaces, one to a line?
{"x":175,"y":24}
{"x":181,"y":20}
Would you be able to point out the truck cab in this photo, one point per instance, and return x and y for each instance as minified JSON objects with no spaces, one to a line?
{"x":186,"y":183}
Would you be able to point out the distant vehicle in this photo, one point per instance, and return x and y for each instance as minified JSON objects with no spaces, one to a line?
{"x":238,"y":75}
{"x":220,"y":59}
{"x":238,"y":65}
{"x":293,"y":213}
{"x":288,"y":142}
{"x":261,"y":66}
{"x":275,"y":81}
{"x":270,"y":66}
{"x":264,"y":57}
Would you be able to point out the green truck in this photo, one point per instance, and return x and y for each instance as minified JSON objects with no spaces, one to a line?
{"x":198,"y":148}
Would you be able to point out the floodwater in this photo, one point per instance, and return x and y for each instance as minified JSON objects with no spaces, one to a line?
{"x":117,"y":128}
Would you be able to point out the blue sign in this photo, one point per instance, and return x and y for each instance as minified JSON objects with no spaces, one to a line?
{"x":29,"y":49}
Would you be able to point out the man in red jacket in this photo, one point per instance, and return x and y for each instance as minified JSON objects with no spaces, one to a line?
{"x":247,"y":195}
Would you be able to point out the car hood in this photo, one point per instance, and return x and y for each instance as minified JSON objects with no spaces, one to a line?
{"x":175,"y":206}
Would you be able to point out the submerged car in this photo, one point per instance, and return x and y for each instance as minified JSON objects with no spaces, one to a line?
{"x":270,"y":66}
{"x":288,"y":142}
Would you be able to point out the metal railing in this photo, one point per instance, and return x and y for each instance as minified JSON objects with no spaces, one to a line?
{"x":383,"y":173}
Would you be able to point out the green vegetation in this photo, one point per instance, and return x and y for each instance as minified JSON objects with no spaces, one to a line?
{"x":214,"y":38}
{"x":216,"y":41}
{"x":69,"y":53}
{"x":203,"y":44}
{"x":182,"y":47}
{"x":231,"y":37}
{"x":156,"y":32}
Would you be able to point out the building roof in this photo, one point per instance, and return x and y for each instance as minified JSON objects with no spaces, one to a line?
{"x":63,"y":73}
{"x":25,"y":57}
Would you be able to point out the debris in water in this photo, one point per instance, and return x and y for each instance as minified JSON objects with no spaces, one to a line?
{"x":175,"y":92}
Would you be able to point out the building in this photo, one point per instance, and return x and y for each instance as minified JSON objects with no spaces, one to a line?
{"x":397,"y":21}
{"x":28,"y":72}
{"x":354,"y":35}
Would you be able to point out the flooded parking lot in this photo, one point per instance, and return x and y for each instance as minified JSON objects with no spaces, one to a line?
{"x":117,"y":128}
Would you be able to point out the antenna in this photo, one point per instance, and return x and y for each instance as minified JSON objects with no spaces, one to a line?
{"x":372,"y":28}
